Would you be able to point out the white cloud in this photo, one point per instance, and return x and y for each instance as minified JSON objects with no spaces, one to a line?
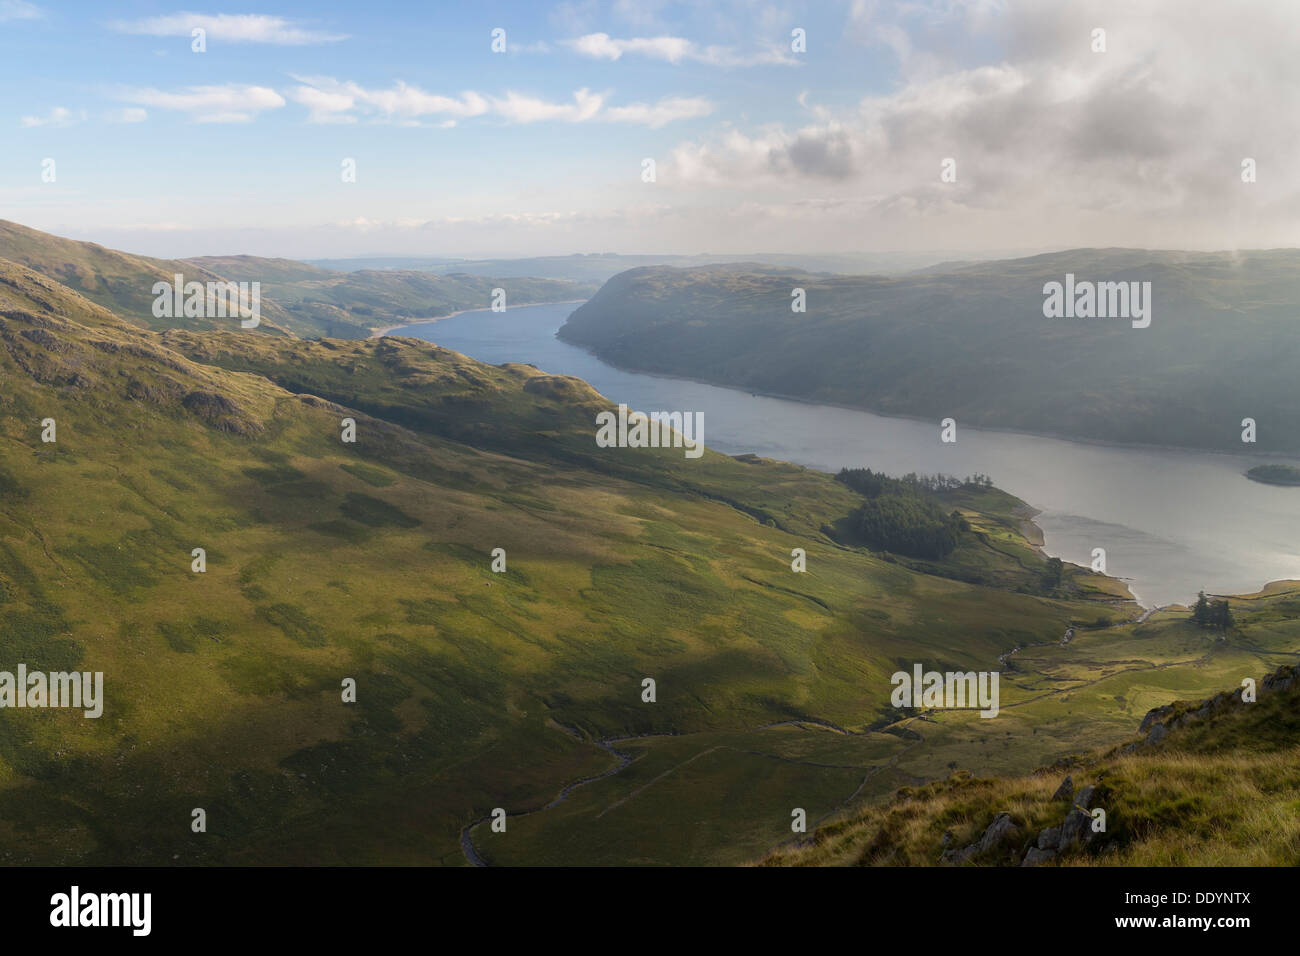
{"x":517,"y":108}
{"x":227,"y":27}
{"x":666,"y":111}
{"x":329,"y":100}
{"x":59,"y":116}
{"x":333,"y":101}
{"x":324,"y":106}
{"x":602,"y":46}
{"x":673,"y":49}
{"x":1054,"y":144}
{"x":129,"y":114}
{"x":227,"y":103}
{"x":19,"y":10}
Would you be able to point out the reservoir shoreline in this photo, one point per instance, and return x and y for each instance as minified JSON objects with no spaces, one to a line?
{"x":1160,"y":513}
{"x":379,"y":333}
{"x":993,"y":429}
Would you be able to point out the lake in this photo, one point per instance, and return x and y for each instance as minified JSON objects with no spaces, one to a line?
{"x":1172,"y":522}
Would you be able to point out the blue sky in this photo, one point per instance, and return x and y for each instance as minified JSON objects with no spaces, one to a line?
{"x":463,"y":151}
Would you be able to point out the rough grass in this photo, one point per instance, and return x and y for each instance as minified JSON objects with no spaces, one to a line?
{"x":1222,"y":791}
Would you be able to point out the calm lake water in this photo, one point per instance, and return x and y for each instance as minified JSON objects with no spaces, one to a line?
{"x":1172,"y":522}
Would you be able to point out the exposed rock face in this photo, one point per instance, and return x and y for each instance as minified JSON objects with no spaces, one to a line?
{"x":1065,"y":791}
{"x":1078,"y":822}
{"x":1153,"y":716}
{"x":1035,"y":856}
{"x":1283,"y":679}
{"x":1000,"y":832}
{"x":1003,"y":831}
{"x":317,"y":402}
{"x":209,"y":406}
{"x":220,"y":412}
{"x":1076,"y":829}
{"x":45,"y":340}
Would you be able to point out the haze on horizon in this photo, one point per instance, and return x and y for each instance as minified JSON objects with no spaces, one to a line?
{"x":462,"y":152}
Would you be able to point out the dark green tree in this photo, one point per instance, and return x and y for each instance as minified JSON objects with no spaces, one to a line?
{"x":1221,"y":615}
{"x":1201,"y":612}
{"x":1052,"y":575}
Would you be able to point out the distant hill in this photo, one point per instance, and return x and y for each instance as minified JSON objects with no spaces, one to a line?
{"x":970,"y":341}
{"x":352,"y":304}
{"x":600,"y":267}
{"x":297,"y":298}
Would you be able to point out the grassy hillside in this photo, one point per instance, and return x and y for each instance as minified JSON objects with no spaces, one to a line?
{"x":476,"y":690}
{"x":1206,"y":781}
{"x":971,"y":342}
{"x":118,"y":281}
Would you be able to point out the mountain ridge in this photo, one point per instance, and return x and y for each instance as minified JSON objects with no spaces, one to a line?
{"x":974,"y":344}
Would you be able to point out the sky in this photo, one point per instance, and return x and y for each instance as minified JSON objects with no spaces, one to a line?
{"x":893,"y":126}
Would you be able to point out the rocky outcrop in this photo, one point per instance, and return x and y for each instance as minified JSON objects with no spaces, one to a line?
{"x":220,"y":412}
{"x":1075,"y":832}
{"x":1075,"y":829}
{"x":1065,"y":791}
{"x":1077,"y":826}
{"x":1159,"y":721}
{"x":1002,"y":832}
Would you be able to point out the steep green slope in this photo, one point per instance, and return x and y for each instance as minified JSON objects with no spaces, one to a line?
{"x":972,"y":342}
{"x":372,"y":560}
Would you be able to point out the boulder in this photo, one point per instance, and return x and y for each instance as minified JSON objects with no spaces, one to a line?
{"x":957,"y":856}
{"x":1000,"y":832}
{"x":1065,"y":791}
{"x":1155,"y":716}
{"x":1078,"y":821}
{"x":1036,"y":857}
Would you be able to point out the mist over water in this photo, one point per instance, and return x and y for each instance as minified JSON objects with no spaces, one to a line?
{"x":1172,"y":522}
